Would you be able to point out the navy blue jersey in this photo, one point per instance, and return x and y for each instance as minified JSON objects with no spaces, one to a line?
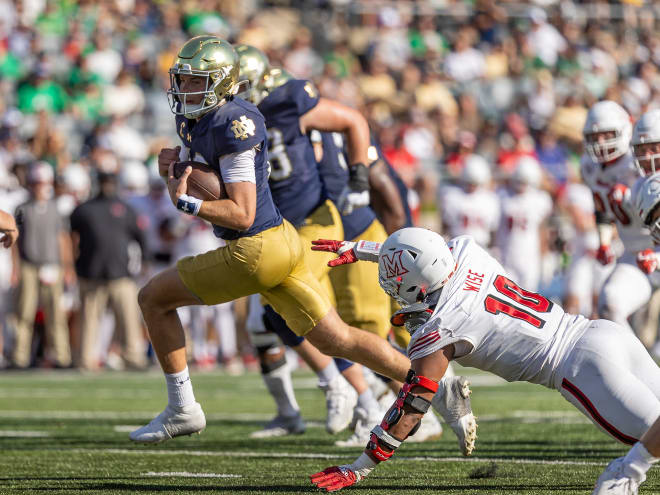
{"x":294,"y":177}
{"x":375,"y":155}
{"x":234,"y":127}
{"x":334,"y":173}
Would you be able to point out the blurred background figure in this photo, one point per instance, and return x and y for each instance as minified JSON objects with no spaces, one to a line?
{"x":472,"y":207}
{"x":103,"y":229}
{"x":42,"y":263}
{"x":521,"y":239}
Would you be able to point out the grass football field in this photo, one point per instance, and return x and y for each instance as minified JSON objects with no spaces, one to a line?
{"x":68,"y":433}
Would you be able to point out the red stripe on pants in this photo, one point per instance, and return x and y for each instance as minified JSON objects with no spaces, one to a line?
{"x":586,"y":403}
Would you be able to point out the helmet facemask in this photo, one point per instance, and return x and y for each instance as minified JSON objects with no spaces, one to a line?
{"x":605,"y":150}
{"x":180,"y":101}
{"x":647,"y":158}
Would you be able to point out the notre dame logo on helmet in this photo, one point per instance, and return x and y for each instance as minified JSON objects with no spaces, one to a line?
{"x":243,"y":128}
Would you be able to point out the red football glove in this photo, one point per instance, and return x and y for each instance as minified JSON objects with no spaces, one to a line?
{"x":334,"y":478}
{"x":605,"y":254}
{"x":344,"y":249}
{"x":647,"y":261}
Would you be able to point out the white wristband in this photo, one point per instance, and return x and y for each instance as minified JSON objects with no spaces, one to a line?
{"x":362,"y":466}
{"x":367,"y":250}
{"x":189,"y":204}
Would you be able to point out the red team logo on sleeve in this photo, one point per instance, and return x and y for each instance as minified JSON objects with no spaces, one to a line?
{"x":393,"y":264}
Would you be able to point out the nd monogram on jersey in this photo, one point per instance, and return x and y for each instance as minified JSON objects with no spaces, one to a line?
{"x":233,"y":127}
{"x":633,"y":234}
{"x":494,"y":324}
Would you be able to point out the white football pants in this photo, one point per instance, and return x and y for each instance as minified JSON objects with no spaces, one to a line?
{"x":625,"y":291}
{"x":610,"y":377}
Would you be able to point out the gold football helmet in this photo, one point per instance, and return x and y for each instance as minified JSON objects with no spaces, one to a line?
{"x":274,"y":78}
{"x":209,"y":57}
{"x":254,"y":64}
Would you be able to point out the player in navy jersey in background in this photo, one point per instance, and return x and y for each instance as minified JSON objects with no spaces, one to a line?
{"x":287,"y":105}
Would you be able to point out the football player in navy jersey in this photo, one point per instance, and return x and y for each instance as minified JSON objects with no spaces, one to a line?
{"x":299,"y":194}
{"x":263,"y":252}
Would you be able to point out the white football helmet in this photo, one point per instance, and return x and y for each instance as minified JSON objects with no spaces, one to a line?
{"x":646,"y":131}
{"x":606,"y":116}
{"x":646,"y":196}
{"x":134,"y":177}
{"x":76,"y":179}
{"x":528,"y":171}
{"x":476,"y":171}
{"x":412,"y":263}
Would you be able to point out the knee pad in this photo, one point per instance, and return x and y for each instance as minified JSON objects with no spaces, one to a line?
{"x":275,"y":323}
{"x":406,"y":402}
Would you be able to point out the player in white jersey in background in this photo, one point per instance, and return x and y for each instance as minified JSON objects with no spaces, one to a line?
{"x":524,"y":209}
{"x":459,"y":304}
{"x":471,"y":208}
{"x":584,"y":275}
{"x":608,"y":169}
{"x":624,"y":475}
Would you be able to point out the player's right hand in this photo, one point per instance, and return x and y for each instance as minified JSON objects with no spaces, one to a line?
{"x":345,"y":250}
{"x":647,"y":261}
{"x":605,"y":254}
{"x":8,"y":237}
{"x":165,"y":158}
{"x":334,"y":478}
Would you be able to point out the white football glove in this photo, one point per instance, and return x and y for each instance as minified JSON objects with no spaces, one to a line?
{"x":356,"y":192}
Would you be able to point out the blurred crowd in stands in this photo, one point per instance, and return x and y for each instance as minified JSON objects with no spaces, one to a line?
{"x":84,"y":114}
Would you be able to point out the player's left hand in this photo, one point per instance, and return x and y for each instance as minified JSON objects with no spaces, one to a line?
{"x":334,"y":478}
{"x":177,"y":187}
{"x":647,"y":261}
{"x":345,"y":250}
{"x":356,"y":192}
{"x":350,"y":200}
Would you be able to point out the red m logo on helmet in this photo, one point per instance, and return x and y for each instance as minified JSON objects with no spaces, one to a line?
{"x":393,"y":265}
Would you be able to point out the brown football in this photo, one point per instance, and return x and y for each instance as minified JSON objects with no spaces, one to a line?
{"x":203,"y":182}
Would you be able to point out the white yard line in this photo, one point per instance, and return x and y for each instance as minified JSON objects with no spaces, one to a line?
{"x":186,"y":474}
{"x":523,"y":416}
{"x":23,"y":434}
{"x":285,"y":455}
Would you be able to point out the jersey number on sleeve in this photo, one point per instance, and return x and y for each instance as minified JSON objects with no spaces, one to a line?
{"x":531,"y":300}
{"x":280,"y":164}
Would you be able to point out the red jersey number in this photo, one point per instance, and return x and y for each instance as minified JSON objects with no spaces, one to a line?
{"x":532,"y":300}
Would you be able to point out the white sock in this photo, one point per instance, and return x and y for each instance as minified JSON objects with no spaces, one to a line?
{"x":280,"y":386}
{"x":637,"y":462}
{"x":327,"y":374}
{"x":179,"y":389}
{"x":367,"y":401}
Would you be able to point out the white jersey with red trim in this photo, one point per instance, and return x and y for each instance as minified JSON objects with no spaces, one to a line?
{"x":518,"y":237}
{"x":475,"y":213}
{"x":634,"y":236}
{"x":495,"y":325}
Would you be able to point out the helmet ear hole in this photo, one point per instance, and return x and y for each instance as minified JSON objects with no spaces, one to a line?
{"x":411,"y":289}
{"x":413,"y":254}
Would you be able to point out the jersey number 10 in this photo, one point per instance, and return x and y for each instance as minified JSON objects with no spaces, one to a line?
{"x":532,"y":300}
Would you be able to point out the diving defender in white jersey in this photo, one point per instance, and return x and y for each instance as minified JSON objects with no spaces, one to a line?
{"x":458,"y":304}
